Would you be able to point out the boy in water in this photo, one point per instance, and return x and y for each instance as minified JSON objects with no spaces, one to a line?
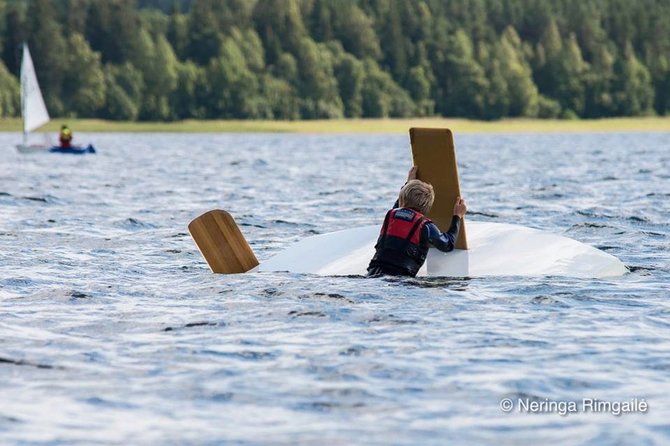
{"x":406,"y":234}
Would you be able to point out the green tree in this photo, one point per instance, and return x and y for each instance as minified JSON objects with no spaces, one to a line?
{"x":392,"y":34}
{"x":350,"y":75}
{"x":72,"y":15}
{"x":233,"y":87}
{"x":355,"y":31}
{"x":113,"y":28}
{"x":317,"y":83}
{"x":281,"y":98}
{"x":660,"y":69}
{"x":124,"y":85}
{"x":465,"y":83}
{"x":154,"y":21}
{"x":633,"y":92}
{"x":98,"y":24}
{"x":382,"y":97}
{"x":562,"y":72}
{"x":320,"y":20}
{"x":548,"y":60}
{"x":83,"y":88}
{"x":325,"y":58}
{"x":572,"y":75}
{"x":177,"y":34}
{"x":497,"y":96}
{"x":280,"y":26}
{"x":521,"y":90}
{"x":205,"y":37}
{"x":12,"y":37}
{"x":419,"y":88}
{"x":251,"y":46}
{"x":189,"y":98}
{"x":287,"y":68}
{"x":233,"y":14}
{"x":48,"y":50}
{"x":10,"y":102}
{"x":158,"y":66}
{"x":657,"y":61}
{"x":598,"y":84}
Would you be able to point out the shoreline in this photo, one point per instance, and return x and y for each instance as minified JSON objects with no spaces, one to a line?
{"x":373,"y":126}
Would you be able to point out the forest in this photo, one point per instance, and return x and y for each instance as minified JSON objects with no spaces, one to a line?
{"x":165,"y":60}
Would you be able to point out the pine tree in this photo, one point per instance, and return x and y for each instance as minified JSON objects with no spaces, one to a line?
{"x":49,"y":51}
{"x":633,"y":92}
{"x":350,"y":75}
{"x":10,"y":102}
{"x":124,"y":86}
{"x":318,"y":85}
{"x":280,"y":26}
{"x":83,"y":88}
{"x":177,"y":33}
{"x":572,"y":72}
{"x":188,"y":98}
{"x":465,"y":83}
{"x":521,"y":90}
{"x":205,"y":39}
{"x":13,"y":36}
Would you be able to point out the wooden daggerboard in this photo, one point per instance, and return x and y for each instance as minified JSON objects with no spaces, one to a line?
{"x":434,"y":155}
{"x":221,"y":243}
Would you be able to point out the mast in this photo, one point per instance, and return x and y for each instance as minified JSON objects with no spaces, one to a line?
{"x":23,"y":94}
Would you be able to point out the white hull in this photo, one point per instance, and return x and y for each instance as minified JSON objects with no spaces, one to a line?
{"x":32,"y":149}
{"x":495,"y":250}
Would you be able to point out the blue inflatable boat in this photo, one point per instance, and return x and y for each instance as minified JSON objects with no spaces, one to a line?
{"x":74,"y":150}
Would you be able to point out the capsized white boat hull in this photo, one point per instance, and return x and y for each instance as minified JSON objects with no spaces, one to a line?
{"x":495,"y":250}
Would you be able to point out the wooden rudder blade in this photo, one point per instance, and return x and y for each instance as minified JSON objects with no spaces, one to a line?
{"x":434,"y":154}
{"x":221,"y":243}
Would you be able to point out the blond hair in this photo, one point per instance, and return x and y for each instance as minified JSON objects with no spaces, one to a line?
{"x":417,"y":195}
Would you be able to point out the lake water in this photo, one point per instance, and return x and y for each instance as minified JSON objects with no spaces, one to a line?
{"x":113,"y":330}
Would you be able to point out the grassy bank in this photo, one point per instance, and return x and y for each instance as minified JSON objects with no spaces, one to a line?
{"x":357,"y":125}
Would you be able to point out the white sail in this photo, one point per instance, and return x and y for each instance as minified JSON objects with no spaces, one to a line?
{"x":35,"y":113}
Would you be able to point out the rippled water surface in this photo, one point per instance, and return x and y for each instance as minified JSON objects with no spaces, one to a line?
{"x":113,"y":330}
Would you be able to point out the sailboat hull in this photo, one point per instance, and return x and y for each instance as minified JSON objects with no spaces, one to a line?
{"x":495,"y":249}
{"x":74,"y":150}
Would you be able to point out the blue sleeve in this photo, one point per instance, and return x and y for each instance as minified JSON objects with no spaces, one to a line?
{"x":443,"y":241}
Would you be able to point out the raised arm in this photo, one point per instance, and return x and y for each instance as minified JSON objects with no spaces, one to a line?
{"x":444,"y":241}
{"x":447,"y":240}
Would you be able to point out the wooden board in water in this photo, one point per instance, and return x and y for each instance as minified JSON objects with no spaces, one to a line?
{"x":434,"y":155}
{"x":221,"y":243}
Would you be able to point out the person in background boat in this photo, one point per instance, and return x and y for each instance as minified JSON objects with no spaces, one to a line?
{"x":65,"y":137}
{"x":407,"y":234}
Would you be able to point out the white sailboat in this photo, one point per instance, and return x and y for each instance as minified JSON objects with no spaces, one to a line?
{"x":494,"y":249}
{"x":34,"y":111}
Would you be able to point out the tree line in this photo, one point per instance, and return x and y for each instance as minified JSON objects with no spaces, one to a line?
{"x":320,"y":59}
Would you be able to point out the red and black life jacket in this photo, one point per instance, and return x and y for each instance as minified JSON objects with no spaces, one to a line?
{"x":65,"y":137}
{"x":399,"y":249}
